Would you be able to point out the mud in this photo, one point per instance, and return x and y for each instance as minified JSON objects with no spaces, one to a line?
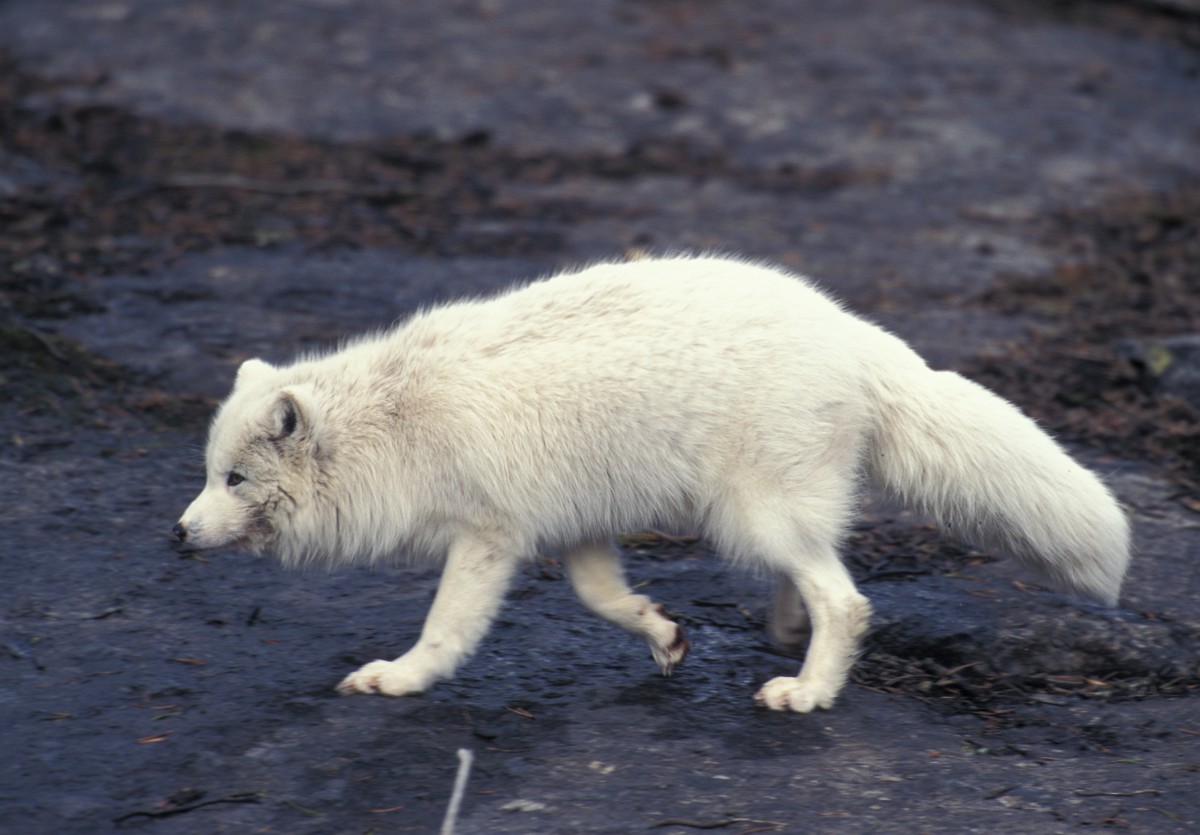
{"x":1015,"y":187}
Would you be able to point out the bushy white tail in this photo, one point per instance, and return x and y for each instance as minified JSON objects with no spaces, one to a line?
{"x":950,"y":448}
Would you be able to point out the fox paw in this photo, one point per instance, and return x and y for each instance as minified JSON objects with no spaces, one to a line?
{"x":670,"y":656}
{"x":791,"y":693}
{"x":387,"y":678}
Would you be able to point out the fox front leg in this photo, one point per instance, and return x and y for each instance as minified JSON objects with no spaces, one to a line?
{"x":473,"y":584}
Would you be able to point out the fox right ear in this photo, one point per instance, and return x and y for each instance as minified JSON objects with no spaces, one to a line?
{"x":251,"y":370}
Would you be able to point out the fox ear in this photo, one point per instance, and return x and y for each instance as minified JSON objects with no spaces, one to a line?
{"x":252,"y":370}
{"x":293,"y":413}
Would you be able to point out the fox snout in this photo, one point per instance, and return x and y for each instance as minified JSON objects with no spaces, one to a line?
{"x":211,"y":522}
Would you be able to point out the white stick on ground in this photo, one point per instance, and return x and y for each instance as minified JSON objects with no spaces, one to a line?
{"x":465,"y":758}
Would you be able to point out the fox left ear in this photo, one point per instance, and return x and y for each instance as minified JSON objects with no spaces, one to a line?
{"x":293,"y":413}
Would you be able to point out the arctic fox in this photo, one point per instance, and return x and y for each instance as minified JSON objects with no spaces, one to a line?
{"x":701,"y":393}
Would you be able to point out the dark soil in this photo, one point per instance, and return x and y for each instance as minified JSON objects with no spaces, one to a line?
{"x":1114,"y":368}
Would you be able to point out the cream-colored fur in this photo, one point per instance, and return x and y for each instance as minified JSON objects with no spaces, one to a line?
{"x":695,"y":393}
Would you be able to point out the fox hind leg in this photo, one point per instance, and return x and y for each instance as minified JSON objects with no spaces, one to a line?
{"x":839,"y":616}
{"x":788,"y":623}
{"x":599,"y":582}
{"x":796,"y":536}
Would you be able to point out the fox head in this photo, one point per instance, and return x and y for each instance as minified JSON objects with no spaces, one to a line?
{"x":260,"y":460}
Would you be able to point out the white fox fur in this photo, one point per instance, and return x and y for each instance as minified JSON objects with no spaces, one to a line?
{"x":698,"y":393}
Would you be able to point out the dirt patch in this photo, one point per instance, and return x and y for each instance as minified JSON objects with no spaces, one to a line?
{"x":1101,"y":369}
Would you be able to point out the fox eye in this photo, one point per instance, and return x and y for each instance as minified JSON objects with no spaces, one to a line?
{"x":234,"y":479}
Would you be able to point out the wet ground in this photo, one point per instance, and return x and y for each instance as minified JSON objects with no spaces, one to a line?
{"x":1013,"y":186}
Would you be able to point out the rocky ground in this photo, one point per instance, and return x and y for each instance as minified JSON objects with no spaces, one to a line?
{"x":1012,"y":186}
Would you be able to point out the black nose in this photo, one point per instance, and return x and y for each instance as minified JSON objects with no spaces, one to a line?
{"x":180,"y":531}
